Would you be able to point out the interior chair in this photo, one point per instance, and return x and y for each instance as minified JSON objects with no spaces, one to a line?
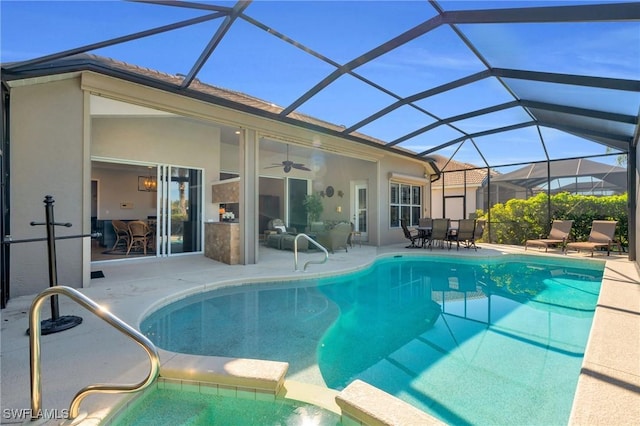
{"x":466,"y":233}
{"x":602,"y":235}
{"x":123,"y":236}
{"x":140,"y":236}
{"x":412,"y":236}
{"x":559,"y":234}
{"x":440,"y":232}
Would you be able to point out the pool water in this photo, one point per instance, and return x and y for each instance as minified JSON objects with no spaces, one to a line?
{"x":172,"y":407}
{"x":491,"y":341}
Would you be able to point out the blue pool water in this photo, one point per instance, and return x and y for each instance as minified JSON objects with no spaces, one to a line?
{"x":496,"y":341}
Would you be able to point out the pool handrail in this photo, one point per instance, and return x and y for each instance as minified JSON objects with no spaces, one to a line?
{"x":117,"y":323}
{"x":315,"y":243}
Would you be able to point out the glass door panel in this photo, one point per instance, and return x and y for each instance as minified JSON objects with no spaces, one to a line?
{"x":180,"y":215}
{"x":185,"y":190}
{"x":297,"y":190}
{"x":361,"y":216}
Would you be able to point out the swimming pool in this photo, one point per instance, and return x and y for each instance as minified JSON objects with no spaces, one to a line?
{"x":496,"y":341}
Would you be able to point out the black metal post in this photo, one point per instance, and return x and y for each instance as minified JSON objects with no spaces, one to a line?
{"x":56,"y":323}
{"x":51,"y":251}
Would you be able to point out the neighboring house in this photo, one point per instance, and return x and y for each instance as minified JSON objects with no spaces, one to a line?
{"x":576,"y":176}
{"x":462,"y":188}
{"x":109,"y":140}
{"x":457,"y":194}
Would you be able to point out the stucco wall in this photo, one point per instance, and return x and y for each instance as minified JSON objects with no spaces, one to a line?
{"x":454,"y":210}
{"x":47,"y":157}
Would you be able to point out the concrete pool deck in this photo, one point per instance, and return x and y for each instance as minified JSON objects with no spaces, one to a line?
{"x":608,"y":389}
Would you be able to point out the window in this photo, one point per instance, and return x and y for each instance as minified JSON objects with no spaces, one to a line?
{"x":405,"y":202}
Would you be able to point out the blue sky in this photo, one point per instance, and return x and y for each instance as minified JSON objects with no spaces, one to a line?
{"x":251,"y":60}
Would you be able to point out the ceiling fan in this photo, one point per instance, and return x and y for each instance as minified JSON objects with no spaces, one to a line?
{"x":287,"y":165}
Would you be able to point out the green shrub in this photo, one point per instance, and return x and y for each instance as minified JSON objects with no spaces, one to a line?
{"x":518,"y":220}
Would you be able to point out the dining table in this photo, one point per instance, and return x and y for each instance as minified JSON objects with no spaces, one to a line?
{"x":424,"y":233}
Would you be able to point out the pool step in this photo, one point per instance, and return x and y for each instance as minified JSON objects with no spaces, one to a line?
{"x":368,"y":405}
{"x":240,"y":373}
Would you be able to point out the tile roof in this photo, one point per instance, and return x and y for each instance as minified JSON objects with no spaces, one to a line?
{"x":230,"y":95}
{"x":456,"y":171}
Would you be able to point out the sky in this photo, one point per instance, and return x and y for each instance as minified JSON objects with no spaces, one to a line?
{"x":251,"y":60}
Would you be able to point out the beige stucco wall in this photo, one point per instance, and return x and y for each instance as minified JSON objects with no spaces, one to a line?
{"x":454,"y":210}
{"x":339,"y":172}
{"x":47,"y":157}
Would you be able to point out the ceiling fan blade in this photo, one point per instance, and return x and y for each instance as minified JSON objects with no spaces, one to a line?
{"x":300,"y":167}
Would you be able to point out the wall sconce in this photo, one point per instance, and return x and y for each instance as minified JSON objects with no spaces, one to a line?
{"x":147,"y":183}
{"x":339,"y":209}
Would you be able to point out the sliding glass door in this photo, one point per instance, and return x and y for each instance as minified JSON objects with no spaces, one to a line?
{"x":297,"y":190}
{"x":179,"y":225}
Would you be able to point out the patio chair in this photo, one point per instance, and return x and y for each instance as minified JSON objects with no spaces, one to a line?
{"x":602,"y":235}
{"x":336,"y":237}
{"x":466,"y":233}
{"x":440,"y":232}
{"x":123,"y":236}
{"x":478,"y":231}
{"x":276,"y":231}
{"x":559,"y":234}
{"x":411,"y":236}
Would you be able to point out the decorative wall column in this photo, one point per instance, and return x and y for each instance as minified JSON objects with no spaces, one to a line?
{"x":249,"y":147}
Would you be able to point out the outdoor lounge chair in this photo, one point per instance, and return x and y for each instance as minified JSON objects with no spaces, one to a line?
{"x":602,"y":235}
{"x":411,"y":236}
{"x":559,"y":234}
{"x":282,"y":237}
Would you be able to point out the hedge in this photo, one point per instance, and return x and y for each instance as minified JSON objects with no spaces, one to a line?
{"x":518,"y":220}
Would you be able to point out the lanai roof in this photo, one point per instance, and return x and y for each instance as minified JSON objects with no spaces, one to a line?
{"x":427,"y":77}
{"x":535,"y":175}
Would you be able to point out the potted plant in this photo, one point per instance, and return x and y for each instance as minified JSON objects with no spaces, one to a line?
{"x":313,"y":205}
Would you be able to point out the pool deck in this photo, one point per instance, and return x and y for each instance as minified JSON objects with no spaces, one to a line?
{"x":608,"y":389}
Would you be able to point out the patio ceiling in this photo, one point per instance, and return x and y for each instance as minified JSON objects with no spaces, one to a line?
{"x":491,"y":83}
